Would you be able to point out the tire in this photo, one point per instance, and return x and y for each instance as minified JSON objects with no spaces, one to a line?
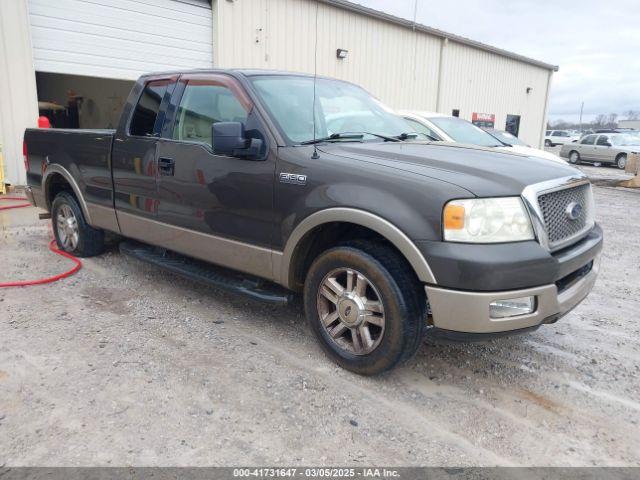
{"x":391,"y":286}
{"x":621,"y":161}
{"x":574,"y":157}
{"x":547,"y":143}
{"x":72,"y":233}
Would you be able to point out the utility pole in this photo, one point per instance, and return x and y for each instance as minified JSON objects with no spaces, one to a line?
{"x":581,"y":109}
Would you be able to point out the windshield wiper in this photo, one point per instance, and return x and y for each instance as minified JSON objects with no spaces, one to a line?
{"x":334,"y":136}
{"x":349,"y":136}
{"x":407,"y":136}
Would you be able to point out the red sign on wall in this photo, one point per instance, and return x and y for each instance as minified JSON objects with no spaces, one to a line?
{"x":486,"y":120}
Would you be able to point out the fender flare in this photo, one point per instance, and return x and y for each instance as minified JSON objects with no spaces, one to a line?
{"x":359,"y":217}
{"x":59,"y":169}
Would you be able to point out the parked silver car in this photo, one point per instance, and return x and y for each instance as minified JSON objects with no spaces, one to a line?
{"x":609,"y":148}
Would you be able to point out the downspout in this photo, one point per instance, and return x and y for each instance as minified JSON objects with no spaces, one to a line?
{"x":443,"y":44}
{"x":546,"y":109}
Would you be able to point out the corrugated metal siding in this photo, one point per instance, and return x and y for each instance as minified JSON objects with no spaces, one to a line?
{"x":398,"y":65}
{"x":477,"y":81}
{"x":280,"y":34}
{"x":120,"y":38}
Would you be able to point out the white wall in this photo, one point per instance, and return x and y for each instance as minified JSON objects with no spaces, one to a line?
{"x":395,"y":63}
{"x":18,"y":103}
{"x":474,"y":80}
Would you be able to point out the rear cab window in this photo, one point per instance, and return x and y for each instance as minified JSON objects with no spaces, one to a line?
{"x":145,"y":118}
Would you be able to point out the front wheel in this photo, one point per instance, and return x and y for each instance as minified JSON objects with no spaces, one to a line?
{"x":365,"y":306}
{"x":72,"y":232}
{"x":621,"y":161}
{"x":547,"y":143}
{"x":574,"y":158}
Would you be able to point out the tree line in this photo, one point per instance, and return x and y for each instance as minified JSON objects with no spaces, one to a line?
{"x":602,"y":120}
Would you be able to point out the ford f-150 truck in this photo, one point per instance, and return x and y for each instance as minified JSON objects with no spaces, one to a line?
{"x":290,"y":183}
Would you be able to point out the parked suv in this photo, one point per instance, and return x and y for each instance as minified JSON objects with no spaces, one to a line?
{"x":559,"y":137}
{"x":298,"y":184}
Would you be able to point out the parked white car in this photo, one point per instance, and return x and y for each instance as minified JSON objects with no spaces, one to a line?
{"x":441,"y":127}
{"x":559,"y":137}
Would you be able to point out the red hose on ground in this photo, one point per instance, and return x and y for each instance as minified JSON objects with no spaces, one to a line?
{"x":52,"y":247}
{"x":8,"y":207}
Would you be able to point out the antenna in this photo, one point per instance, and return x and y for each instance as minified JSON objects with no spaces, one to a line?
{"x":315,"y":75}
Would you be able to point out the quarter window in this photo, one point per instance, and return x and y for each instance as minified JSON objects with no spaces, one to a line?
{"x":201,"y":106}
{"x":143,"y":121}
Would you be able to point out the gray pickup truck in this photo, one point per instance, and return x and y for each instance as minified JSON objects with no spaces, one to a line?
{"x":290,"y":184}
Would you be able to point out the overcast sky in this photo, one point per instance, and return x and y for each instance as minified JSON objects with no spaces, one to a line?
{"x":596,"y":44}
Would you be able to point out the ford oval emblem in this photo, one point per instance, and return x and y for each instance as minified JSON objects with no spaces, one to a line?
{"x":573,"y":211}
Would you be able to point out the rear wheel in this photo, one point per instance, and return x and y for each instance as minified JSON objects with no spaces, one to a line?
{"x":621,"y":161}
{"x":574,"y":157}
{"x":365,"y":306}
{"x":71,"y":230}
{"x":547,"y":143}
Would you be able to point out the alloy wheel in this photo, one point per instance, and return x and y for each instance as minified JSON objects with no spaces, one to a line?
{"x":351,"y":311}
{"x":67,"y":228}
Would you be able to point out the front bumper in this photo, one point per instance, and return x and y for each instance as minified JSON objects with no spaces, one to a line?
{"x":465,"y":314}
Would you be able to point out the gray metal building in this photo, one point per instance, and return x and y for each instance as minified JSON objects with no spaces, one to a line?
{"x":76,"y":59}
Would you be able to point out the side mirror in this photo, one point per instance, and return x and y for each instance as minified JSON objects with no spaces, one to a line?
{"x":229,"y":139}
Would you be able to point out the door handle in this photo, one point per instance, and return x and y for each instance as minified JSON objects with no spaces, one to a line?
{"x":166,"y":166}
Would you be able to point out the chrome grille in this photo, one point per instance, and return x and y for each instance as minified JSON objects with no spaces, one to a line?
{"x":560,"y":228}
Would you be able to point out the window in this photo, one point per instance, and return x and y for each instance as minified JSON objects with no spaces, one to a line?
{"x":513,"y":125}
{"x":340,"y":108}
{"x":455,"y":112}
{"x":548,"y":133}
{"x":203,"y":104}
{"x":420,"y":128}
{"x":464,"y":132}
{"x":589,"y":140}
{"x":559,"y":133}
{"x":603,"y":140}
{"x":144,"y":117}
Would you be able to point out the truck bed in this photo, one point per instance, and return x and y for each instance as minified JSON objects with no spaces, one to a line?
{"x":85,"y":154}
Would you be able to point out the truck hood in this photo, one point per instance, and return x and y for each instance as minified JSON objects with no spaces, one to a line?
{"x":482,"y":171}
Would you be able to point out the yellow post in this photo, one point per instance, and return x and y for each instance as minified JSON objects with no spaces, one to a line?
{"x":2,"y":187}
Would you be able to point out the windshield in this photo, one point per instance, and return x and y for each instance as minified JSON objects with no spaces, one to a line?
{"x":340,"y":108}
{"x":625,"y":139}
{"x":464,"y":132}
{"x":506,"y":137}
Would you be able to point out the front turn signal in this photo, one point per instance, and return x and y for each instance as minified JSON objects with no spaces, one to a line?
{"x":454,"y":217}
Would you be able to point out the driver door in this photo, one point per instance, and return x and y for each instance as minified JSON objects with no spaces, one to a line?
{"x":218,"y":208}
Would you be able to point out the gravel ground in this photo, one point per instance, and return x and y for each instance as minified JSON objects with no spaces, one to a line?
{"x":124,"y":364}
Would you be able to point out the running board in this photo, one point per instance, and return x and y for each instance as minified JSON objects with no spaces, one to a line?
{"x":207,"y":274}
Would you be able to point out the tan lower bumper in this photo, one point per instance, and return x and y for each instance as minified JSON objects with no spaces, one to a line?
{"x":468,"y":312}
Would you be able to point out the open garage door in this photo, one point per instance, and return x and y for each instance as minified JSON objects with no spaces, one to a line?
{"x":120,"y":39}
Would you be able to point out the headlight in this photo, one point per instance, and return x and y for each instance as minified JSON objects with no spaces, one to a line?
{"x":487,"y":220}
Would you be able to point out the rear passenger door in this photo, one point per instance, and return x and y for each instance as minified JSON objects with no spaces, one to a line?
{"x":602,"y":150}
{"x":134,"y":154}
